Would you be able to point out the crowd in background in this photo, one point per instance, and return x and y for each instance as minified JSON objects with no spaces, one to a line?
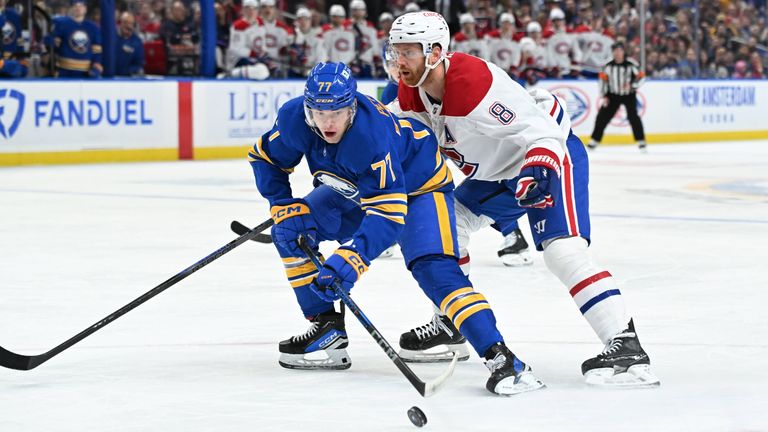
{"x":530,"y":39}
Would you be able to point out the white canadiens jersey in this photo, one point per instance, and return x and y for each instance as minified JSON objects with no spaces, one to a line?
{"x":245,"y":39}
{"x":310,"y":49}
{"x":339,"y":44}
{"x":504,"y":52}
{"x":596,"y":49}
{"x":563,"y":50}
{"x":477,"y":47}
{"x":368,"y":36}
{"x":487,"y":123}
{"x":538,"y":57}
{"x":277,"y":36}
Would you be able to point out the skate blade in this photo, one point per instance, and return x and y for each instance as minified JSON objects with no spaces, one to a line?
{"x":525,"y":382}
{"x":336,"y":359}
{"x":517,"y":260}
{"x":438,"y":354}
{"x":637,"y":376}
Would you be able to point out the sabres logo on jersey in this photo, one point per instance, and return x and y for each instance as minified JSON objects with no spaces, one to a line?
{"x":340,"y":185}
{"x":79,"y":42}
{"x":9,"y":33}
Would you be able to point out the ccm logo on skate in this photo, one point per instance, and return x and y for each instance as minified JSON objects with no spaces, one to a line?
{"x":328,"y":340}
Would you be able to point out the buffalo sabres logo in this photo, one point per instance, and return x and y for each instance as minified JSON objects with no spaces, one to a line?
{"x":9,"y":33}
{"x":11,"y":110}
{"x":79,"y":42}
{"x":340,"y":185}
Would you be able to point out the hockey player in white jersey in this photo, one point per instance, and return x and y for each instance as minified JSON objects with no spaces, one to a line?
{"x":467,"y":40}
{"x":563,"y":50}
{"x":366,"y":40}
{"x":277,"y":36}
{"x":307,"y":48}
{"x":497,"y":133}
{"x":338,"y":39}
{"x":246,"y":38}
{"x":504,"y":50}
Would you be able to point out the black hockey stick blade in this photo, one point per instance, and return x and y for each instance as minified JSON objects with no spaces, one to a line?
{"x":12,"y":360}
{"x":425,"y":388}
{"x":241,"y":229}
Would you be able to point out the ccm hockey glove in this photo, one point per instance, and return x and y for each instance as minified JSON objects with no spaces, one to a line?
{"x":292,"y":219}
{"x":346,"y":266}
{"x":538,"y":185}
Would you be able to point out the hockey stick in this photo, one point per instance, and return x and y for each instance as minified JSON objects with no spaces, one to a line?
{"x":241,"y":229}
{"x":425,"y":389}
{"x":12,"y":360}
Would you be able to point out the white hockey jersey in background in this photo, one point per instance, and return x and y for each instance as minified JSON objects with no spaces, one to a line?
{"x":487,"y":122}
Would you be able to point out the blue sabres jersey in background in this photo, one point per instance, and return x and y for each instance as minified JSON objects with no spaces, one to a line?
{"x":10,"y":25}
{"x":77,"y":45}
{"x":379,"y":162}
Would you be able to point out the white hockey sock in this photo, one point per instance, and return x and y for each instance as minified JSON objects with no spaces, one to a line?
{"x":595,"y":291}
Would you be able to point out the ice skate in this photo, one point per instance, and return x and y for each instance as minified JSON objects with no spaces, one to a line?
{"x":623,"y":363}
{"x":509,"y":375}
{"x":322,"y":346}
{"x":642,"y":146}
{"x":514,"y":251}
{"x":434,"y":342}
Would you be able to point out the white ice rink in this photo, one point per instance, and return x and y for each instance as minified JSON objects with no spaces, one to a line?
{"x":683,"y":229}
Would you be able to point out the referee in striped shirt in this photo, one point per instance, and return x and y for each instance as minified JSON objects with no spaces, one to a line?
{"x":619,"y":81}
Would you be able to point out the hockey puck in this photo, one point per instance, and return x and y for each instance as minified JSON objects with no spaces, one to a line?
{"x":417,"y":416}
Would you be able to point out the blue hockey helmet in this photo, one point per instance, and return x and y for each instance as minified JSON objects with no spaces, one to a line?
{"x":330,"y":86}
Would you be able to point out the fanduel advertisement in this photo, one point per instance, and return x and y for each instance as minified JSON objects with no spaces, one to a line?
{"x":74,"y":115}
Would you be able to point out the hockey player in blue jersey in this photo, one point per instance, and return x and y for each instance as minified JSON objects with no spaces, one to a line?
{"x":379,"y":179}
{"x":77,"y":44}
{"x":12,"y":61}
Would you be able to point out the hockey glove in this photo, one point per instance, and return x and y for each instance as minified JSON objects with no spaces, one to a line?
{"x":538,"y":185}
{"x":292,"y":219}
{"x":345,"y":266}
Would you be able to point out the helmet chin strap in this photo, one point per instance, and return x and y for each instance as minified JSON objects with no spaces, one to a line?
{"x":427,"y":67}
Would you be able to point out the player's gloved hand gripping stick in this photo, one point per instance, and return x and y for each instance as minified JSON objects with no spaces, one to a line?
{"x":425,"y":389}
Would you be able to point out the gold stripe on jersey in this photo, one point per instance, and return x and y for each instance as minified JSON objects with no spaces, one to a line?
{"x":441,"y":178}
{"x":397,"y":219}
{"x":386,"y":197}
{"x":73,"y":64}
{"x":274,"y":135}
{"x":416,"y":134}
{"x":300,"y":271}
{"x":389,"y":208}
{"x":96,"y":49}
{"x":462,"y":302}
{"x":453,"y":295}
{"x":444,"y":222}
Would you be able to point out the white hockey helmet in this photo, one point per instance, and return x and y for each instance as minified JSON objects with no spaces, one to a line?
{"x":386,"y":16}
{"x":337,"y":10}
{"x":556,"y":14}
{"x":466,"y":18}
{"x":532,"y":27}
{"x":251,"y":3}
{"x":357,"y":4}
{"x":303,"y":12}
{"x":506,"y":17}
{"x":425,"y":28}
{"x":411,"y":7}
{"x":268,"y":3}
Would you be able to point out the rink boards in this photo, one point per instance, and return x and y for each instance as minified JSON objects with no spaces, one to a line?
{"x":52,"y":122}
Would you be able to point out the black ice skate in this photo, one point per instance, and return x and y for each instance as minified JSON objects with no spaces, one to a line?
{"x":434,"y":342}
{"x":321,"y":347}
{"x":509,"y":375}
{"x":514,"y":251}
{"x":623,"y":363}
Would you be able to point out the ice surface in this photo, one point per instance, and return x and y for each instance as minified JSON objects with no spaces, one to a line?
{"x":683,"y":228}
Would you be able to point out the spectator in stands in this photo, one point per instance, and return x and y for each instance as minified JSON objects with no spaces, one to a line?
{"x":13,"y":60}
{"x":129,"y":55}
{"x":181,"y":39}
{"x":148,"y":22}
{"x":77,"y":44}
{"x":756,"y":66}
{"x":449,"y":9}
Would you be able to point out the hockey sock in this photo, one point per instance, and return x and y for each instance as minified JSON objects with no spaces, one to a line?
{"x":595,"y":291}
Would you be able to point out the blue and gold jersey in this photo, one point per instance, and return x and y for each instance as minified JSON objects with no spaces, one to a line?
{"x":10,"y":24}
{"x":380,"y":161}
{"x":77,"y":45}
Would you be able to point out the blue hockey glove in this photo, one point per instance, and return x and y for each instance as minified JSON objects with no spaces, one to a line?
{"x":346,"y":266}
{"x":538,"y":185}
{"x":292,"y":219}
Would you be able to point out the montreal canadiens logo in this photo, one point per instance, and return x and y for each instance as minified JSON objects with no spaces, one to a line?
{"x":621,"y":120}
{"x":576,"y":102}
{"x":79,"y":42}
